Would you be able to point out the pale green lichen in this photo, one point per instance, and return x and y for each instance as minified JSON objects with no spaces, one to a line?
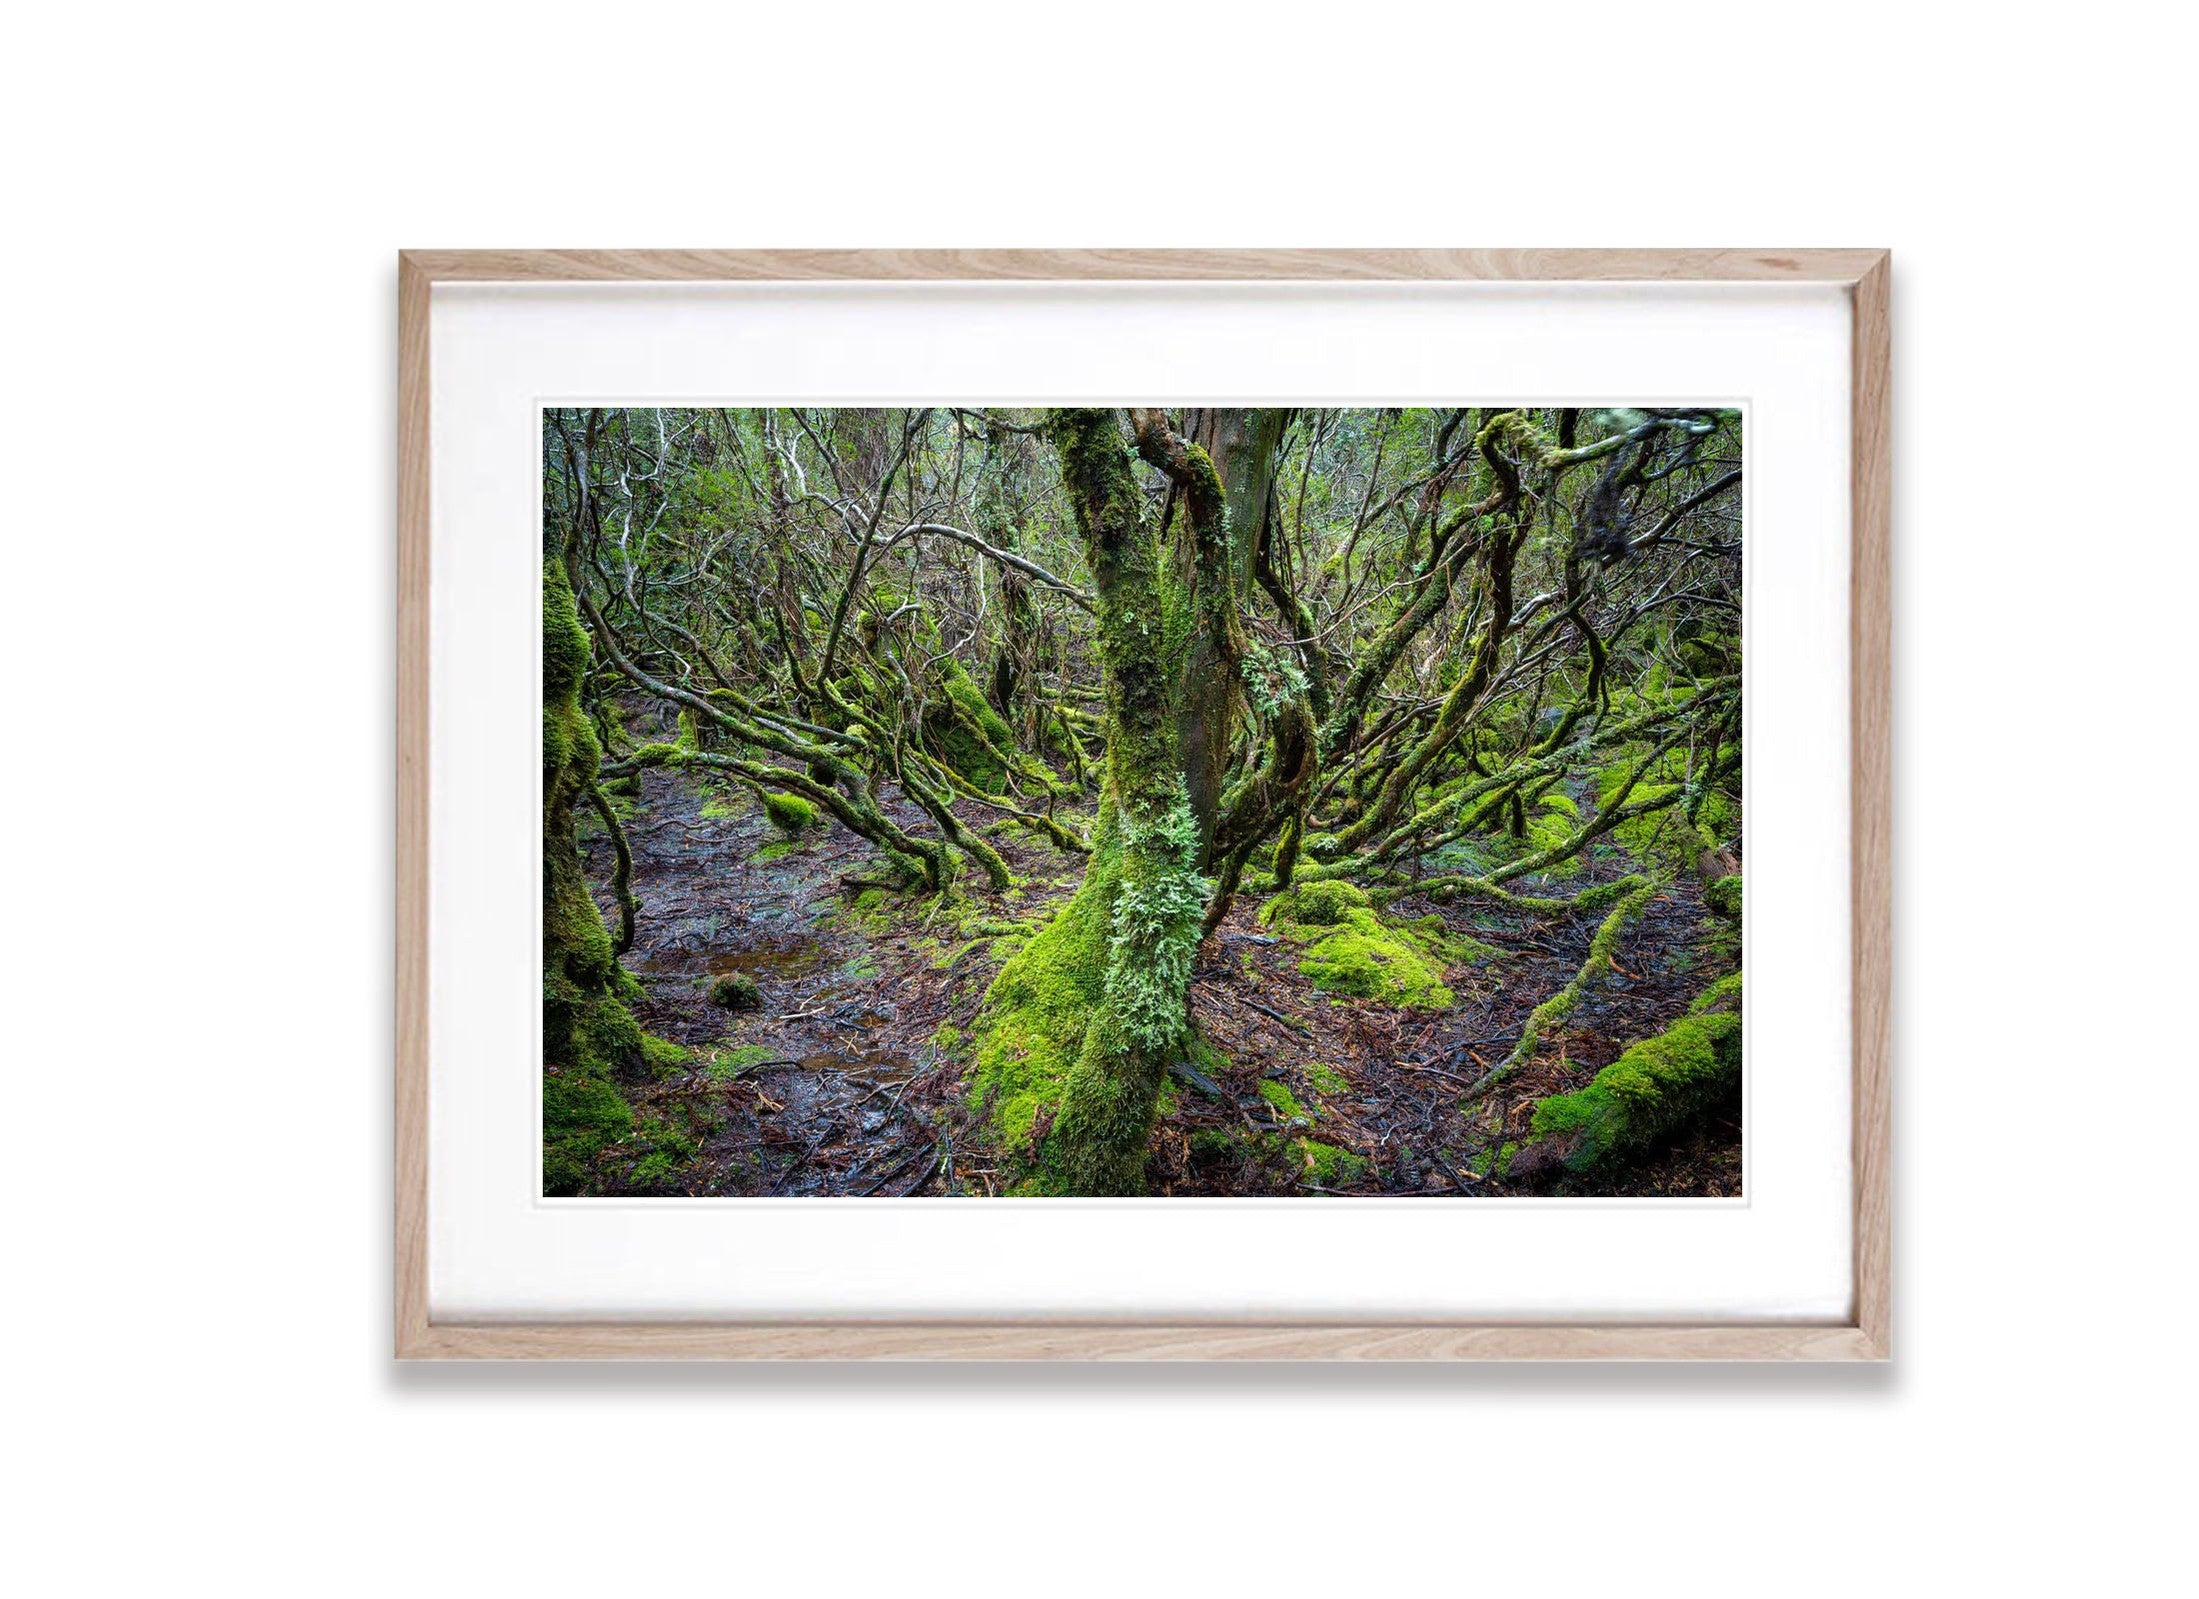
{"x":1154,"y":926}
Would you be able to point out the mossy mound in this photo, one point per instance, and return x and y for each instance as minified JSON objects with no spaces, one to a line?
{"x":1723,"y":898}
{"x":1658,"y":1086}
{"x":1351,"y":950}
{"x":735,"y":991}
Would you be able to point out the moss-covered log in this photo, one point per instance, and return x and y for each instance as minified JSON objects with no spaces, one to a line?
{"x":1656,"y":1088}
{"x":1560,"y":1005}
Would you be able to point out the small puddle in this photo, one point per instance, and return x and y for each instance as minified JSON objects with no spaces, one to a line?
{"x":765,"y":959}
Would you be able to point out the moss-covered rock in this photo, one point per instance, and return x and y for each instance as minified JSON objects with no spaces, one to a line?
{"x":1723,"y":898}
{"x":1721,"y":998}
{"x":735,"y":991}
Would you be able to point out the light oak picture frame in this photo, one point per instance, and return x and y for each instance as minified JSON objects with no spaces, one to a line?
{"x":1863,"y":1336}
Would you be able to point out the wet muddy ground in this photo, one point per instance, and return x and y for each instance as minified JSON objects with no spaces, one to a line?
{"x":834,"y":1085}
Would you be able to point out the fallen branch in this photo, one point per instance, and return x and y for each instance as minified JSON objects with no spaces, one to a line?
{"x":1560,"y":1005}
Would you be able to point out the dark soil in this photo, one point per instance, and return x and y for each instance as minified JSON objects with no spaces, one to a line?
{"x":833,"y":1086}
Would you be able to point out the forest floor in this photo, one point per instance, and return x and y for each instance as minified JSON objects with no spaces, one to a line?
{"x":843,"y":1081}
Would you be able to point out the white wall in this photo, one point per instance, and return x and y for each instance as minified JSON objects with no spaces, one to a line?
{"x":206,"y":202}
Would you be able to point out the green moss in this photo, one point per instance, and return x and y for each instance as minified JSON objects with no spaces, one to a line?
{"x":1721,"y":997}
{"x":1326,"y":902}
{"x":1327,"y":1079}
{"x":721,"y":804}
{"x":975,"y":740}
{"x":948,"y":1038}
{"x":1031,"y":1033}
{"x":1214,"y":1143}
{"x":1208,"y":1059}
{"x":1658,"y":1085}
{"x":1282,"y":1101}
{"x":790,"y":813}
{"x":663,"y":1055}
{"x":664,"y":1147}
{"x":777,"y":849}
{"x":735,"y":991}
{"x":1724,"y":898}
{"x":727,"y":1064}
{"x":1351,"y":950}
{"x":588,"y":1035}
{"x":1327,"y":1165}
{"x":580,"y":1115}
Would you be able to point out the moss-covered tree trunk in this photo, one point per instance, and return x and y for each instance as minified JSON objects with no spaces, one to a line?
{"x":1080,"y":1026}
{"x":587,"y":1032}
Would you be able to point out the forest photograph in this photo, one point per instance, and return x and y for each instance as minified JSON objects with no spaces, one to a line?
{"x":1142,"y":801}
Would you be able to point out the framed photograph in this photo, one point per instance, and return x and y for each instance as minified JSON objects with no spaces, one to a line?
{"x":1143,"y":804}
